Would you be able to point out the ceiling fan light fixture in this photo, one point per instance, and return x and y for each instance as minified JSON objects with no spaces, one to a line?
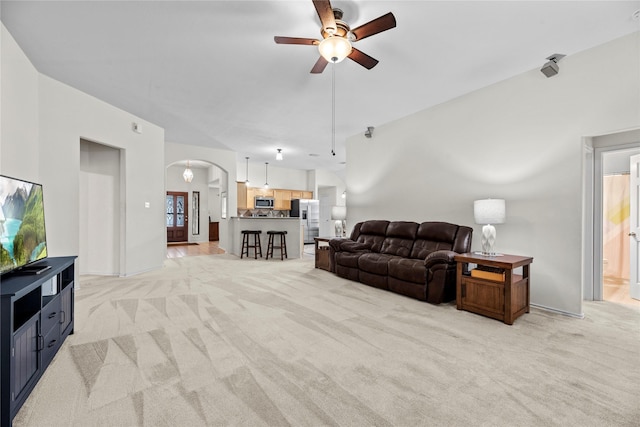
{"x":334,"y":49}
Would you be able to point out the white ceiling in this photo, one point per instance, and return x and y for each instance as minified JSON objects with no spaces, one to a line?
{"x":210,"y":74}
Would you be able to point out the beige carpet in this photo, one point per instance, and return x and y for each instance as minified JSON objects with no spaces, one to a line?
{"x":219,"y":341}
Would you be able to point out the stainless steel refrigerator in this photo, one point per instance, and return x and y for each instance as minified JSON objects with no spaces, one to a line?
{"x":309,"y":213}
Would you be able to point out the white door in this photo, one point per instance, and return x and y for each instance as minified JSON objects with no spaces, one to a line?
{"x":634,"y":227}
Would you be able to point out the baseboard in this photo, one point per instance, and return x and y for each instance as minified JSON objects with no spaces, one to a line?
{"x":555,"y":310}
{"x":146,"y":270}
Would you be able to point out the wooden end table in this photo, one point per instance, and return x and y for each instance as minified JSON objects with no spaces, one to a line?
{"x":322,"y":252}
{"x":503,"y":296}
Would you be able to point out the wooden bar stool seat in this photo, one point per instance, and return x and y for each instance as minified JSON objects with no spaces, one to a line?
{"x":283,"y":244}
{"x":246,"y":243}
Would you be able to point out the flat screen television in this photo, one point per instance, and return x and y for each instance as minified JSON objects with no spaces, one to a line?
{"x":23,"y":237}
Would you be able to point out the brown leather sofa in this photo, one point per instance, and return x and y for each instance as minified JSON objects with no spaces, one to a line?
{"x":405,"y":257}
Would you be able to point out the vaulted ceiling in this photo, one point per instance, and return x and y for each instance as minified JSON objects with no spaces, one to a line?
{"x":210,"y":74}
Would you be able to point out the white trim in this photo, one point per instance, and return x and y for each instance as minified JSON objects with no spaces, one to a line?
{"x":555,"y":310}
{"x":145,"y":270}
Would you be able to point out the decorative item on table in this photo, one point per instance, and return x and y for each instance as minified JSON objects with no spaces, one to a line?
{"x":339,"y":215}
{"x":487,"y":272}
{"x":489,"y":212}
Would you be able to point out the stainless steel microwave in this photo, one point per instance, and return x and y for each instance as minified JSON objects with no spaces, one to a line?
{"x":263,"y":202}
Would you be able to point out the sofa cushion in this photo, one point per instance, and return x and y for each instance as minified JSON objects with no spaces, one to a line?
{"x":409,"y":270}
{"x":400,"y":237}
{"x":375,"y":227}
{"x":373,"y":234}
{"x":348,"y":259}
{"x":433,"y":236}
{"x":374,"y":263}
{"x":413,"y":290}
{"x":375,"y":280}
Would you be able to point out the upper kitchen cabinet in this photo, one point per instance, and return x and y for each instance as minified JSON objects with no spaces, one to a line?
{"x":282,"y":200}
{"x":282,"y":197}
{"x":242,"y":195}
{"x":263,"y":192}
{"x":299,"y":194}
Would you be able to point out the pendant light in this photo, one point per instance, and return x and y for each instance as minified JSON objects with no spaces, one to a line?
{"x":246,"y":182}
{"x":187,"y":174}
{"x":279,"y":154}
{"x":266,"y":181}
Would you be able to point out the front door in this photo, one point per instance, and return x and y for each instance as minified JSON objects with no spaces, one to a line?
{"x":634,"y":228}
{"x":176,"y":205}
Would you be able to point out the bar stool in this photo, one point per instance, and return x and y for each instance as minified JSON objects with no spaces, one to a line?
{"x":257,"y":247}
{"x":282,"y":247}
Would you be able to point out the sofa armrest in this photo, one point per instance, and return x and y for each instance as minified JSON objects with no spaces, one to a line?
{"x":439,"y":258}
{"x":337,"y":241}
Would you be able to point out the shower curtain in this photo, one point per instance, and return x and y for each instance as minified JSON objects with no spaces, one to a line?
{"x":615,"y":227}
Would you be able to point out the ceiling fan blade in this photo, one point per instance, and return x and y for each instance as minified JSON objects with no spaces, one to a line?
{"x":320,"y":65}
{"x":325,"y":13}
{"x":363,"y":59}
{"x":378,"y":25}
{"x":295,"y":40}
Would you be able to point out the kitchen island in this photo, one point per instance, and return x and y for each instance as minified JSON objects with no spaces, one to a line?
{"x":291,"y":225}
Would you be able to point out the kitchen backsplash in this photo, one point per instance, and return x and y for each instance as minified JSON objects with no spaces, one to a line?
{"x":269,"y":213}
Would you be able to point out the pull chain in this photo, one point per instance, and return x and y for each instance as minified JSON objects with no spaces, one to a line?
{"x":333,"y":109}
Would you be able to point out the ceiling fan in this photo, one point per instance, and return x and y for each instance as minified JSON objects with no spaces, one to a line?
{"x":337,"y":37}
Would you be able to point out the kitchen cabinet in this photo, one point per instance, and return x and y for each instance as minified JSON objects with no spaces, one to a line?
{"x":251,"y":198}
{"x":242,"y":196}
{"x":282,"y":200}
{"x":282,"y":197}
{"x":263,"y":192}
{"x":299,"y":194}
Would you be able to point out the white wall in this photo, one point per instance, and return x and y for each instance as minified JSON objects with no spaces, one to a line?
{"x":19,"y":112}
{"x":43,"y":122}
{"x":618,"y":162}
{"x":329,"y":188}
{"x":520,"y":140}
{"x":226,"y":161}
{"x":278,"y":177}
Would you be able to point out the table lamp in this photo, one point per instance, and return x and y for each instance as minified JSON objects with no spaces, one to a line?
{"x":489,"y":212}
{"x":339,"y":215}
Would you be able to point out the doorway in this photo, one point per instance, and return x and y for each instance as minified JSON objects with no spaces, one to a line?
{"x":616,"y":201}
{"x":101,"y":215}
{"x":600,"y":154}
{"x":177,"y":218}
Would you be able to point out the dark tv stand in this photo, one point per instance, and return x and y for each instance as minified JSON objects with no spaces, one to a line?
{"x":34,"y":323}
{"x":32,"y":269}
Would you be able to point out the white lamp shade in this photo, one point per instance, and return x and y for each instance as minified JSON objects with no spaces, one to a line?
{"x":489,"y":211}
{"x":339,"y":213}
{"x":334,"y":49}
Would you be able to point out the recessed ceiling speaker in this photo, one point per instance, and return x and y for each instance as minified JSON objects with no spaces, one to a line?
{"x":551,"y":68}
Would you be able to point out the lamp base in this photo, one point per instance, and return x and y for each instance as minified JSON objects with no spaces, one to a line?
{"x":339,"y":229}
{"x":488,"y":239}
